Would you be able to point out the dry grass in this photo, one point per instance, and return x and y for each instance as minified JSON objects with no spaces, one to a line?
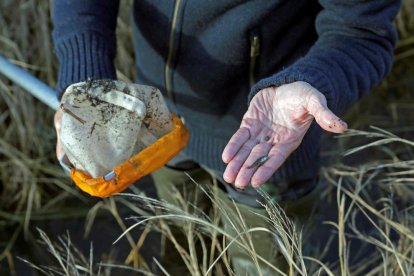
{"x":33,"y":186}
{"x":374,"y":202}
{"x":373,"y":186}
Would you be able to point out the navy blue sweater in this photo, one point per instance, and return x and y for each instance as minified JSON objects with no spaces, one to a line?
{"x":206,"y":55}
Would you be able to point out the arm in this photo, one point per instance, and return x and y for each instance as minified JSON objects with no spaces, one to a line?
{"x":353,"y":53}
{"x":84,"y":39}
{"x":85,"y":45}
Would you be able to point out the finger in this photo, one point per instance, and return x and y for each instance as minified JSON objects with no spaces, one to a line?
{"x":250,"y":166}
{"x":236,"y":142}
{"x":57,"y":122}
{"x":276,"y":158}
{"x":325,"y":118}
{"x":237,"y":161}
{"x":330,"y":122}
{"x":59,"y":150}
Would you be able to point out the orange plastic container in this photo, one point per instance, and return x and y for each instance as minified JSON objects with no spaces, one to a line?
{"x":145,"y":162}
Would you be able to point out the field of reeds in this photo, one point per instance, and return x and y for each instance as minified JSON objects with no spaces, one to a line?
{"x":365,"y":223}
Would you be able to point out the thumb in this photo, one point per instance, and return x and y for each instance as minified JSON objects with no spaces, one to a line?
{"x":57,"y":121}
{"x":325,"y":118}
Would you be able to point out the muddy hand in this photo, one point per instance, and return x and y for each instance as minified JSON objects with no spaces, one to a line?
{"x":272,"y":128}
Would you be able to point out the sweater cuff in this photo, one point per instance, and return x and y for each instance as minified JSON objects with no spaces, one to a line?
{"x":84,"y":56}
{"x":298,"y":72}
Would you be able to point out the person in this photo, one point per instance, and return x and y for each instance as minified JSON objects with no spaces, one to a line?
{"x":254,"y":81}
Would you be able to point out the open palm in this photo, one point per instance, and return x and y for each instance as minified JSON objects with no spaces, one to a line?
{"x":272,"y":128}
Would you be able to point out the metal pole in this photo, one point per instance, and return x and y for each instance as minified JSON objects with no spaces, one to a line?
{"x":24,"y":79}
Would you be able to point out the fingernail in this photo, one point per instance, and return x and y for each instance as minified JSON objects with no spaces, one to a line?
{"x":338,"y":123}
{"x":255,"y":185}
{"x":344,"y":124}
{"x":238,"y":186}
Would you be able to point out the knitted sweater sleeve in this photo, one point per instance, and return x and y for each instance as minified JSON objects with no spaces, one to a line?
{"x":84,"y":39}
{"x":353,"y":52}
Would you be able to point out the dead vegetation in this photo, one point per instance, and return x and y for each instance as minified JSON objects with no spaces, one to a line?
{"x":372,"y":188}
